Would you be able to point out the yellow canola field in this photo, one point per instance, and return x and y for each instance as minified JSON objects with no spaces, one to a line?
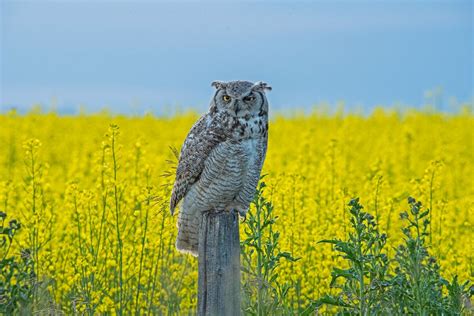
{"x":92,"y":198}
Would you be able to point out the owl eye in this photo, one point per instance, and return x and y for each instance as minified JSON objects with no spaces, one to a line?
{"x":226,"y":98}
{"x":249,"y":98}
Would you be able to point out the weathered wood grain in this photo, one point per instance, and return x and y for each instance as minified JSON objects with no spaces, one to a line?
{"x":219,"y":264}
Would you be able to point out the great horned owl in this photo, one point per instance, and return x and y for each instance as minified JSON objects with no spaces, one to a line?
{"x":221,"y":159}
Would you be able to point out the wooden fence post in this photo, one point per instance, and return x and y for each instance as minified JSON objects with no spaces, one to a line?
{"x":219,"y":264}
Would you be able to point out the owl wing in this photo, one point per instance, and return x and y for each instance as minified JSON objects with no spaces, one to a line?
{"x":201,"y":140}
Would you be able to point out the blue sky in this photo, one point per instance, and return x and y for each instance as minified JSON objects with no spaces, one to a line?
{"x":137,"y":56}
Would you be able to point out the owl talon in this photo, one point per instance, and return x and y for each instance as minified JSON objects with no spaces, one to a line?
{"x":242,"y":214}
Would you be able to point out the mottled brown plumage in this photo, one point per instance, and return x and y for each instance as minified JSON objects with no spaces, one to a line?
{"x":221,"y":159}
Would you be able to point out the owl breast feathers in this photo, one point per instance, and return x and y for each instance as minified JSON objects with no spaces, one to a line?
{"x":221,"y":159}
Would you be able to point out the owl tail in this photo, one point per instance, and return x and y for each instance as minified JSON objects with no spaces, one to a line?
{"x":188,"y":233}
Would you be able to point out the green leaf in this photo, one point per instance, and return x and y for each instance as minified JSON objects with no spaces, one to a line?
{"x":345,"y":273}
{"x":424,"y":213}
{"x":331,"y":300}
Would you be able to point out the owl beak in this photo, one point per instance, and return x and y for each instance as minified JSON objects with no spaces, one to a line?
{"x":237,"y":108}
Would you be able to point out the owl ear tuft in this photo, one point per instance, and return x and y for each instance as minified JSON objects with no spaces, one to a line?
{"x":218,"y":84}
{"x":261,"y":86}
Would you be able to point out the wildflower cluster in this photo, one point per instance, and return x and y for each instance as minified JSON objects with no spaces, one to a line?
{"x":415,"y":287}
{"x":91,"y":194}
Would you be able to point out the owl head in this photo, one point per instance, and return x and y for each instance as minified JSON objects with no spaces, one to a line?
{"x":240,"y":98}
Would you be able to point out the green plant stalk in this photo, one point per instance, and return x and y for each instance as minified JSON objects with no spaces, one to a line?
{"x":417,"y":271}
{"x":431,"y":200}
{"x":137,"y":309}
{"x":360,"y":265}
{"x":104,"y":205}
{"x":333,"y":168}
{"x":34,"y":236}
{"x":344,"y":217}
{"x":117,"y":225}
{"x":78,"y":226}
{"x":149,"y":298}
{"x":376,"y":204}
{"x":5,"y":202}
{"x":389,"y":218}
{"x":101,"y":235}
{"x":9,"y":244}
{"x":92,"y":252}
{"x":440,"y":230}
{"x":259,"y":262}
{"x":160,"y":254}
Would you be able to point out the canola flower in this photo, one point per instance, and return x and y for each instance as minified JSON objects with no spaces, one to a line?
{"x":92,"y":191}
